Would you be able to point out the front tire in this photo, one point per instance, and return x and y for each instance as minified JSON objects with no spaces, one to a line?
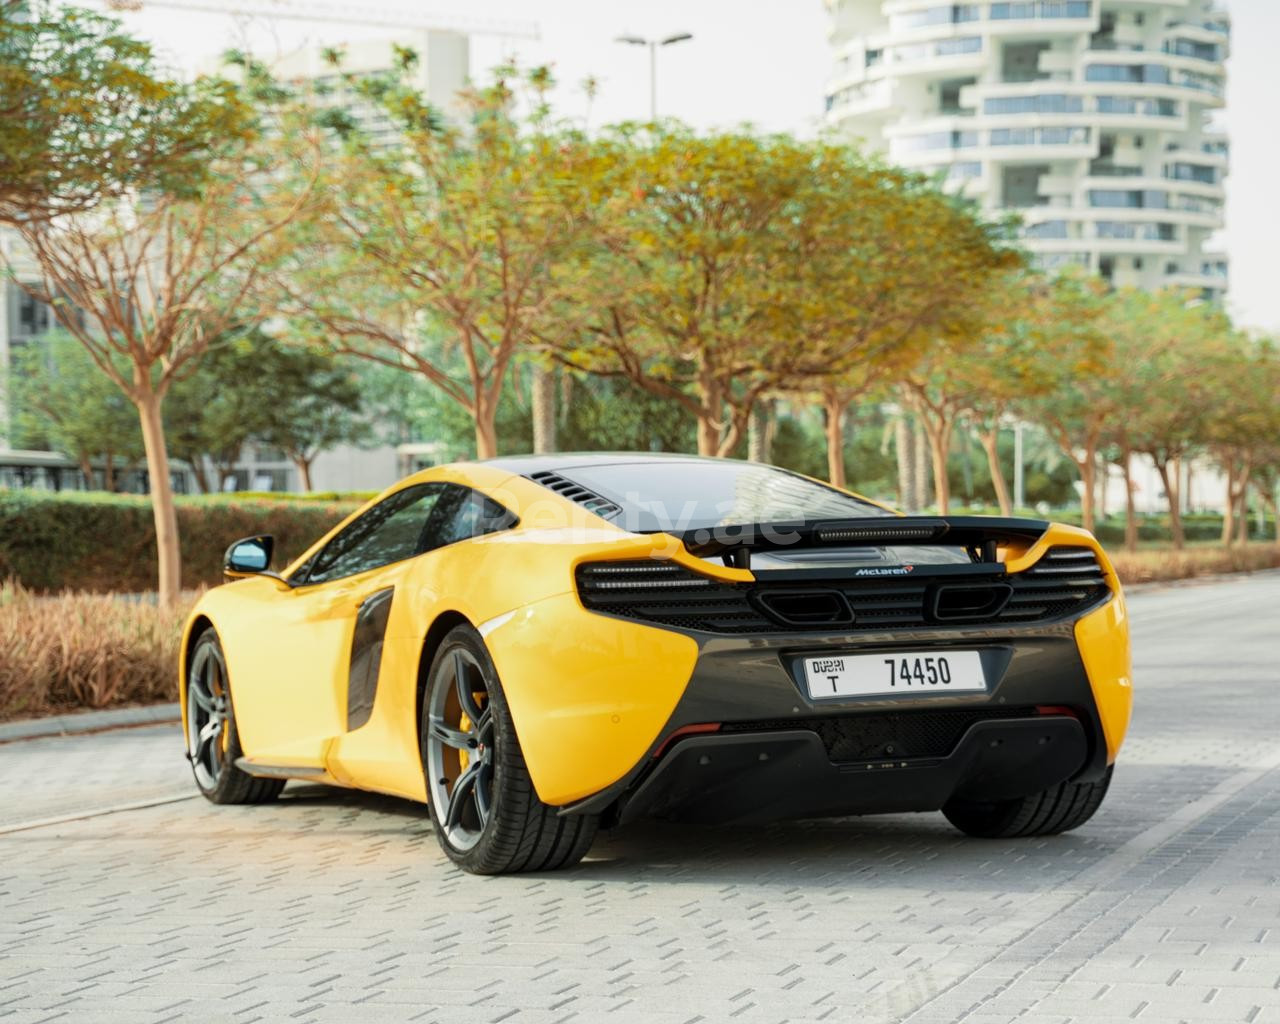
{"x":487,"y":816}
{"x":1057,"y":809}
{"x":213,"y":744}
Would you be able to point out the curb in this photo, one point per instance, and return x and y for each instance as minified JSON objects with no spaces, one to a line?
{"x":88,"y":721}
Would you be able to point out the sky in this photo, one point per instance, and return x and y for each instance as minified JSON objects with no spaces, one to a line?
{"x":765,"y":62}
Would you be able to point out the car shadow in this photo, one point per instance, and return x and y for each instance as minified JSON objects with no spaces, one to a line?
{"x":922,"y":850}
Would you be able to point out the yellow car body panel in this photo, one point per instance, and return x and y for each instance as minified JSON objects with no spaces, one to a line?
{"x":1102,"y":635}
{"x":586,"y":723}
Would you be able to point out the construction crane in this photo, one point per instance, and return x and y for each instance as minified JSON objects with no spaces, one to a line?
{"x":351,"y":13}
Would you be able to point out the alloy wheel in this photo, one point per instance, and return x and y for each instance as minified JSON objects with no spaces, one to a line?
{"x":460,"y":749}
{"x":208,"y":705}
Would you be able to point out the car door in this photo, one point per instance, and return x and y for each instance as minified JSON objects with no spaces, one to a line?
{"x":292,"y":695}
{"x":380,"y":749}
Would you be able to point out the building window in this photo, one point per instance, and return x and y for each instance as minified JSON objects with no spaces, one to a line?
{"x":1048,"y":229}
{"x":966,"y":44}
{"x":1051,"y":103}
{"x":1039,"y":136}
{"x":1197,"y":51}
{"x":1017,"y":10}
{"x":1192,"y":172}
{"x":1129,"y":198}
{"x":948,"y":14}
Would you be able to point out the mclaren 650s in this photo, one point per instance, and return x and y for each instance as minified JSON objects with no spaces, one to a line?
{"x":540,"y":646}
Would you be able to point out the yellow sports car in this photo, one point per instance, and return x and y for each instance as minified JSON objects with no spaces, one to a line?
{"x":540,"y":646}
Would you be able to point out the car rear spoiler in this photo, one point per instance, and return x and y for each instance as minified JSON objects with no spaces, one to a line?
{"x":981,"y":535}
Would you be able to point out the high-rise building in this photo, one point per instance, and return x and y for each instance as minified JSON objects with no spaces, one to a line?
{"x":1092,"y":119}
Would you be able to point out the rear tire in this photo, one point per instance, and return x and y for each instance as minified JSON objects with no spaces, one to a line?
{"x":213,"y":744}
{"x":487,"y":816}
{"x":1057,"y":809}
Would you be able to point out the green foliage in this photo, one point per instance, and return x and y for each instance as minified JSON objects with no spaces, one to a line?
{"x":86,"y":114}
{"x":101,"y":542}
{"x":252,"y":387}
{"x":61,"y":399}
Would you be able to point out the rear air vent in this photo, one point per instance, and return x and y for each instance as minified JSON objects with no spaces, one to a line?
{"x":1065,"y":582}
{"x":585,"y":497}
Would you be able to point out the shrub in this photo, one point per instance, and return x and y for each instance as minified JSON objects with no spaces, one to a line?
{"x":106,"y":542}
{"x":84,"y":651}
{"x":1159,"y":565}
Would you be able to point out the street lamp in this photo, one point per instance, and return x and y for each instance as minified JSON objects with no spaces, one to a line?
{"x":653,"y":45}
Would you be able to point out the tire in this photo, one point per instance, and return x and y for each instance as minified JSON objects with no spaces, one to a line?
{"x":487,"y":816}
{"x":213,"y":744}
{"x":1057,"y":809}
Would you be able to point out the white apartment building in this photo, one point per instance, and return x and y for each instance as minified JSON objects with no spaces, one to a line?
{"x":1092,"y":119}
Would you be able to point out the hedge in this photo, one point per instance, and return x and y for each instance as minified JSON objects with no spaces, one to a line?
{"x":106,"y":542}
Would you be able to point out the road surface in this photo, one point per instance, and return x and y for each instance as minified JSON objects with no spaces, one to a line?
{"x":336,"y":906}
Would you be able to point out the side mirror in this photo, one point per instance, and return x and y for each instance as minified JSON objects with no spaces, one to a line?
{"x":248,"y":557}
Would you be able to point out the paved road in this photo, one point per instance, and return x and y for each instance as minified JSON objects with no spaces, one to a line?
{"x":334,"y":906}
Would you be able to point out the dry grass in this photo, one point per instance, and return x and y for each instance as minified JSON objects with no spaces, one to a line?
{"x":83,"y":651}
{"x":1156,"y":564}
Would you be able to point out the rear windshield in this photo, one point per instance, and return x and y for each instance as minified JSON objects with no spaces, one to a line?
{"x":679,"y":496}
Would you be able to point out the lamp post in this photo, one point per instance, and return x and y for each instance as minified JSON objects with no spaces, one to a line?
{"x":653,"y":45}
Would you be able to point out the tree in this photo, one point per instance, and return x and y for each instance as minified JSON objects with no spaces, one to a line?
{"x":1242,"y":430}
{"x":145,"y":283}
{"x":1162,"y":393}
{"x":86,"y":115}
{"x":742,"y":266}
{"x":315,"y":404}
{"x":445,"y":241}
{"x":911,"y":286}
{"x":63,"y":400}
{"x":251,"y":386}
{"x":1078,"y":401}
{"x":1020,"y":350}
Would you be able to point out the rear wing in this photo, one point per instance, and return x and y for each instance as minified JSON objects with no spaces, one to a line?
{"x":979,"y":535}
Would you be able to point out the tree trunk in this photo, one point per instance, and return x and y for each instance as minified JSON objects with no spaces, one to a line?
{"x":1130,"y":513}
{"x":1102,"y":487}
{"x":905,"y":453}
{"x":486,"y":431}
{"x":86,"y":471}
{"x":833,"y":409}
{"x":304,"y":471}
{"x":1229,"y":506}
{"x":1171,"y":497}
{"x":1269,"y":503}
{"x":921,"y":464}
{"x":1243,"y":507}
{"x":759,"y":430}
{"x":544,"y":408}
{"x":201,"y":472}
{"x":991,"y":445}
{"x":708,"y":435}
{"x":939,"y":447}
{"x":163,"y":510}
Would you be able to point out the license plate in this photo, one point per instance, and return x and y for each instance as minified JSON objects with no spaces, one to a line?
{"x":860,"y":675}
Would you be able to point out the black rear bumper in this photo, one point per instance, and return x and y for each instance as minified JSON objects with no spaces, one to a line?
{"x":746,"y":742}
{"x":762,"y":776}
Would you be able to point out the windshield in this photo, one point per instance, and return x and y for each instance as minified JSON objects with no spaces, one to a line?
{"x":680,"y":495}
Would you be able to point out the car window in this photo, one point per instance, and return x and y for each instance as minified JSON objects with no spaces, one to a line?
{"x":702,"y":494}
{"x":462,"y":514}
{"x":394,"y":529}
